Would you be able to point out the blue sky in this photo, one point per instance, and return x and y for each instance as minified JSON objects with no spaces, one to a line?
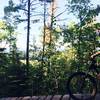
{"x":2,"y":4}
{"x":35,"y":32}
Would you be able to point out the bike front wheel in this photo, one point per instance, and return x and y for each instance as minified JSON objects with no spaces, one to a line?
{"x":82,"y":86}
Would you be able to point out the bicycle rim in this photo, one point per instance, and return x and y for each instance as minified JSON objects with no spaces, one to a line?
{"x":82,"y":86}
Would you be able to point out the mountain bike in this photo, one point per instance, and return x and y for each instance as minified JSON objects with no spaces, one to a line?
{"x":83,"y":85}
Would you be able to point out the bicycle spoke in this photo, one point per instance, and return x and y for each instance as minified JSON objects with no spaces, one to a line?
{"x":81,"y":86}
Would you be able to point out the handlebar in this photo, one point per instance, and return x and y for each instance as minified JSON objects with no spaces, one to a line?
{"x":95,"y":55}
